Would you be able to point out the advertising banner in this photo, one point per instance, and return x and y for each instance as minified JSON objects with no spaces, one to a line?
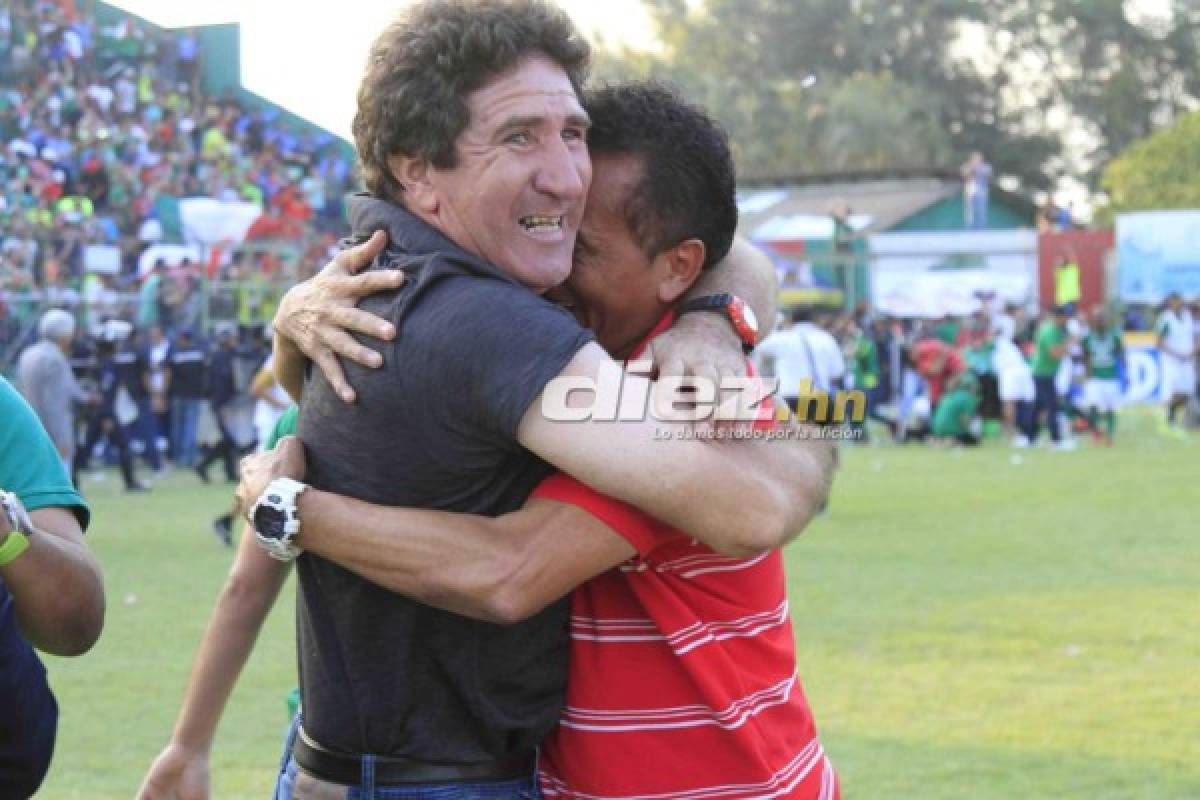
{"x":939,"y":273}
{"x":1158,"y":252}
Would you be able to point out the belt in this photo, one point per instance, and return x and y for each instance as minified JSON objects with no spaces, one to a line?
{"x":348,"y":770}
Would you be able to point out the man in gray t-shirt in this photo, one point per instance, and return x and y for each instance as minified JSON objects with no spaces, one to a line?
{"x":45,"y":378}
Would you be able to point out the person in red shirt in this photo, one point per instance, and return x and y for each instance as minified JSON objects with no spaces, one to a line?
{"x":939,"y":364}
{"x":682,"y":678}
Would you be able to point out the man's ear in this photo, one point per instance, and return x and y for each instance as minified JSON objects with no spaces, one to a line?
{"x":413,"y":173}
{"x":679,"y":268}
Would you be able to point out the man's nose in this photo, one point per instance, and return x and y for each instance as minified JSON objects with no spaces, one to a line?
{"x":563,"y":171}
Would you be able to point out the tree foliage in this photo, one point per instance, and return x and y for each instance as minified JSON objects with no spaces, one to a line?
{"x":1161,"y":171}
{"x":810,"y":86}
{"x":1121,"y":75}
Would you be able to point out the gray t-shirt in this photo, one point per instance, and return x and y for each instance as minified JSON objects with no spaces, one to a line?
{"x":434,"y":428}
{"x":44,"y":377}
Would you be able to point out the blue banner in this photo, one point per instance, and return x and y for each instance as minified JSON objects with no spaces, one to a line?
{"x":1158,"y":252}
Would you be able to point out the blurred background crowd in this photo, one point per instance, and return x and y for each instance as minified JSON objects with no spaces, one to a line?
{"x":106,"y":131}
{"x":166,"y":221}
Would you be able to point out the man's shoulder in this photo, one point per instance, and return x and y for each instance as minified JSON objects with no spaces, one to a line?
{"x":29,"y":464}
{"x":452,"y":299}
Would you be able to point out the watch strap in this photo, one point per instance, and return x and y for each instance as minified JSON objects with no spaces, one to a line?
{"x":709,"y":302}
{"x":16,"y":512}
{"x":14,"y":545}
{"x":720,"y":303}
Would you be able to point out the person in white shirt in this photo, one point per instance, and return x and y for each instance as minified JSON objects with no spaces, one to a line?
{"x":799,"y":356}
{"x":1015,"y":382}
{"x":829,"y":365}
{"x":271,"y":402}
{"x":780,"y":355}
{"x":1176,"y":331}
{"x":1004,"y":324}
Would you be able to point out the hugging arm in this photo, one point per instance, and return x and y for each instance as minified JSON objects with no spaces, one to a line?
{"x":738,"y":497}
{"x":315,"y":318}
{"x":498,"y":569}
{"x":705,"y":344}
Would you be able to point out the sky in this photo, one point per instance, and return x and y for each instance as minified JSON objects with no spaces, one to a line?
{"x":308,"y":56}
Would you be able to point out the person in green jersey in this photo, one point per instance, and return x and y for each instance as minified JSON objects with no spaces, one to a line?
{"x":948,"y":330}
{"x":954,"y":414}
{"x":864,"y":359}
{"x":51,"y":590}
{"x":1050,"y":345}
{"x":1103,"y":356}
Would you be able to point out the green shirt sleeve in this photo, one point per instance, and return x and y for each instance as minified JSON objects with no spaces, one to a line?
{"x":284,"y":426}
{"x":29,"y":464}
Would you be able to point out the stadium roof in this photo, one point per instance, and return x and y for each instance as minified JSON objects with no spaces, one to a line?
{"x":801,"y":206}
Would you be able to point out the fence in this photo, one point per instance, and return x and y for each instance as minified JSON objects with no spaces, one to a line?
{"x":247,"y":303}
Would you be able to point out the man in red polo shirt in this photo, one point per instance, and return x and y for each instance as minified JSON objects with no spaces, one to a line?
{"x":682,"y":678}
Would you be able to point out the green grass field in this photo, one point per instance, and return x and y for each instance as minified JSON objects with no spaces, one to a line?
{"x":970,"y":625}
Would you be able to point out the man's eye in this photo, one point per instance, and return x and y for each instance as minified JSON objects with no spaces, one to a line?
{"x":575,"y":135}
{"x":520,"y":137}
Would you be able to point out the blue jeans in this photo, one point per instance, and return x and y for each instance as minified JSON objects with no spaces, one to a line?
{"x":519,"y":789}
{"x":185,"y":417}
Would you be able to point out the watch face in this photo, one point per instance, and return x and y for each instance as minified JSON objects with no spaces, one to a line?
{"x":270,"y":522}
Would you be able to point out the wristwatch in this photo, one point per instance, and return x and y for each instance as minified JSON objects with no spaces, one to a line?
{"x":745,"y":323}
{"x":276,"y":519}
{"x":14,"y":542}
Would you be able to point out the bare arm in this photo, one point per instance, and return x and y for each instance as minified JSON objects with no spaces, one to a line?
{"x":499,"y":569}
{"x":260,"y":389}
{"x":181,"y":771}
{"x":56,"y":584}
{"x":738,"y":497}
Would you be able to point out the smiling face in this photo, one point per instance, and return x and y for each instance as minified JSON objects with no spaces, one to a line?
{"x":516,"y":195}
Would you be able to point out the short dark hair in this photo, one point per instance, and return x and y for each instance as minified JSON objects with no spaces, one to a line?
{"x":412,"y":99}
{"x":687,"y":187}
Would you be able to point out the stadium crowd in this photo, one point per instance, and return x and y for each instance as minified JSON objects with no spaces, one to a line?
{"x":105,"y":130}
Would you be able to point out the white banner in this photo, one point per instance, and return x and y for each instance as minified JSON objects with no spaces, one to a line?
{"x":207,"y":220}
{"x":103,"y":258}
{"x":936,"y":274}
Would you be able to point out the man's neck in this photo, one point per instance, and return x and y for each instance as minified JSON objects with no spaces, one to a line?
{"x":638,"y":345}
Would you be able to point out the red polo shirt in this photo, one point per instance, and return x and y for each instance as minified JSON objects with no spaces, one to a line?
{"x":682,"y":681}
